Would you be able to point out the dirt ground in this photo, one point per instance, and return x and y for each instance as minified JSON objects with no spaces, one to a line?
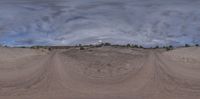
{"x":100,"y":73}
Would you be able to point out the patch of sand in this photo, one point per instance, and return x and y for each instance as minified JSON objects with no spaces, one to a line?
{"x":99,"y":73}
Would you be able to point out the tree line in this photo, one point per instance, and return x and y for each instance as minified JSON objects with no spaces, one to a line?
{"x":82,"y":47}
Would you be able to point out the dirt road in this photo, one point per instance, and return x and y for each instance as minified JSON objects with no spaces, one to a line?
{"x":102,"y":73}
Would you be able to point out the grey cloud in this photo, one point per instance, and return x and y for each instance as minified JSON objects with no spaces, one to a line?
{"x":147,"y":22}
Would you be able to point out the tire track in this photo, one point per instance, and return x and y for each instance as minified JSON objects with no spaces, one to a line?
{"x":172,"y":83}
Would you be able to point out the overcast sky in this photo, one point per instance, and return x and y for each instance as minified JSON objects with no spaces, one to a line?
{"x":67,"y":22}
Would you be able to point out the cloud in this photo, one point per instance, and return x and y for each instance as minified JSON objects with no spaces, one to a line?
{"x":67,"y":22}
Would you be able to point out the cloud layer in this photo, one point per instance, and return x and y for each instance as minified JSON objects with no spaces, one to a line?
{"x":67,"y":22}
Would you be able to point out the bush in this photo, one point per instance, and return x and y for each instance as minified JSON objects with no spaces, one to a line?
{"x":99,"y":45}
{"x":156,"y":47}
{"x":82,"y":48}
{"x":22,"y":47}
{"x":197,"y":45}
{"x":49,"y":49}
{"x":169,"y":48}
{"x":164,"y":46}
{"x":135,"y":46}
{"x":187,"y":45}
{"x":5,"y":46}
{"x":128,"y":45}
{"x":34,"y":47}
{"x":107,"y":44}
{"x":141,"y":46}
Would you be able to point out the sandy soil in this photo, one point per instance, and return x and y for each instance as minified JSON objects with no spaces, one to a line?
{"x":100,"y":73}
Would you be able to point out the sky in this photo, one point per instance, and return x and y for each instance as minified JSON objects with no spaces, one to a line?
{"x":70,"y":22}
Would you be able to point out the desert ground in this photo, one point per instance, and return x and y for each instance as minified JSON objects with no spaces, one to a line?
{"x":100,"y":73}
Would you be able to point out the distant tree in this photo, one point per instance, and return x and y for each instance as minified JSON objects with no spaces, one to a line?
{"x":102,"y":44}
{"x":164,"y":47}
{"x":167,"y":48}
{"x":5,"y":46}
{"x":197,"y":45}
{"x":34,"y":47}
{"x":128,"y":45}
{"x":136,"y":46}
{"x":107,"y":44}
{"x":156,"y":47}
{"x":187,"y":45}
{"x":170,"y":47}
{"x":141,"y":46}
{"x":22,"y":47}
{"x":98,"y":45}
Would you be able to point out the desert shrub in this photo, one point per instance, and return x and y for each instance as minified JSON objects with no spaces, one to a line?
{"x":128,"y":45}
{"x":187,"y":45}
{"x":6,"y":46}
{"x":135,"y":46}
{"x":169,"y":48}
{"x":91,"y":45}
{"x":49,"y":49}
{"x":34,"y":47}
{"x":99,"y":45}
{"x":22,"y":47}
{"x":197,"y":45}
{"x":82,"y":48}
{"x":107,"y":44}
{"x":156,"y":47}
